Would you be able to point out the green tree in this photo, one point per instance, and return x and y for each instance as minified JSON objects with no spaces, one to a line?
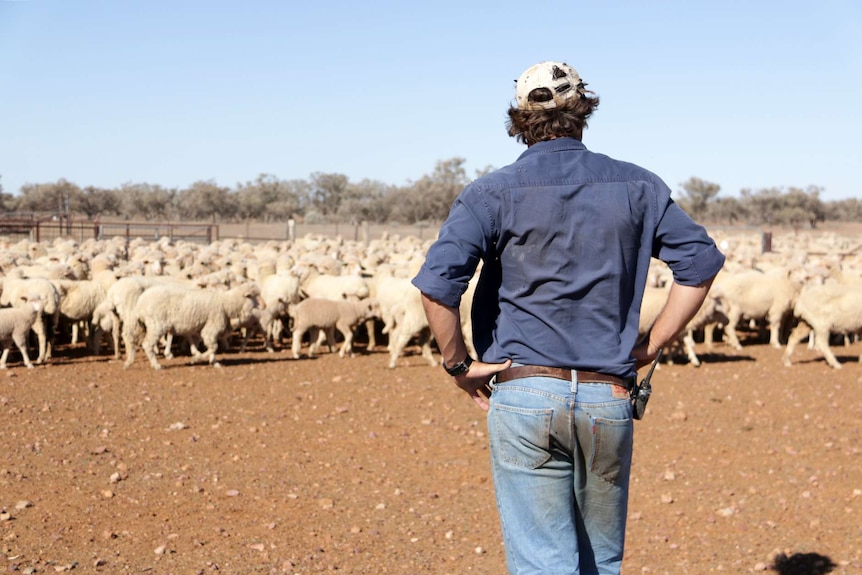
{"x":327,"y":192}
{"x":367,"y":201}
{"x":147,"y":201}
{"x":61,"y":198}
{"x":729,"y":211}
{"x":7,"y":202}
{"x":762,"y":205}
{"x":268,"y":199}
{"x":697,"y":194}
{"x":801,"y":207}
{"x":206,"y":200}
{"x":99,"y":201}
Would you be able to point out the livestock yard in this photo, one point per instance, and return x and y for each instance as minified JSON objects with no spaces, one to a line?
{"x":271,"y":464}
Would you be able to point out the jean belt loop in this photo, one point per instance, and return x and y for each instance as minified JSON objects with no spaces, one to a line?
{"x":575,"y":381}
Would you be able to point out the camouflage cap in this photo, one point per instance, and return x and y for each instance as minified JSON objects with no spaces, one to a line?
{"x":547,"y":85}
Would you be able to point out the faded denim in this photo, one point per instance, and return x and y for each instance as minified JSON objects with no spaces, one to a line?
{"x":561,"y":456}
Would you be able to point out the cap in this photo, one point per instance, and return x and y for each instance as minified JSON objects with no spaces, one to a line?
{"x":547,"y":85}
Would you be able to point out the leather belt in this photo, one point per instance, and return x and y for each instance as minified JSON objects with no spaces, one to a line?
{"x":520,"y":371}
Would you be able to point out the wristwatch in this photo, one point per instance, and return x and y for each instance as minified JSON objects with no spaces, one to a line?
{"x":460,"y":367}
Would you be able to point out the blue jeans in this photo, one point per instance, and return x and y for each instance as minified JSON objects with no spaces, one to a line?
{"x":561,"y":456}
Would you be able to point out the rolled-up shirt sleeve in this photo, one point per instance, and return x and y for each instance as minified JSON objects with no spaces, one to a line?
{"x":686,"y":248}
{"x":452,"y":260}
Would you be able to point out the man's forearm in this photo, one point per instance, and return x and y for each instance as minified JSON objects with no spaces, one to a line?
{"x":445,"y":324}
{"x":682,"y":304}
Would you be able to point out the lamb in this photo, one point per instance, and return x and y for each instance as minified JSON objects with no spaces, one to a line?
{"x":198,"y":314}
{"x":329,"y":315}
{"x":831,"y":307}
{"x":278,"y":291}
{"x":15,"y":326}
{"x":314,"y":283}
{"x":15,"y":286}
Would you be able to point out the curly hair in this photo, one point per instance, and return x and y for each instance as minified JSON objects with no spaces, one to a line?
{"x":531,"y":126}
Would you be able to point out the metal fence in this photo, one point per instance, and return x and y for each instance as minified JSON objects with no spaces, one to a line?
{"x":16,"y":227}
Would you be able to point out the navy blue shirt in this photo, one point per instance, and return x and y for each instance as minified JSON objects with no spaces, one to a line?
{"x":565,"y":237}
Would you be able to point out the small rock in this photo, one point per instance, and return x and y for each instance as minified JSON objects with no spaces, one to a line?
{"x":23,"y":505}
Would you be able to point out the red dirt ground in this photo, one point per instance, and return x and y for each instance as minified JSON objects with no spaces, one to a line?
{"x":329,"y":465}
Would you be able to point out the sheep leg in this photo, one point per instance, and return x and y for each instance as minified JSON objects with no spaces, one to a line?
{"x":4,"y":355}
{"x":21,"y":342}
{"x":401,"y":340}
{"x":425,"y":345}
{"x":730,"y":332}
{"x":296,"y":344}
{"x":115,"y":334}
{"x":132,"y":335}
{"x":371,"y":327}
{"x":821,"y":342}
{"x":775,"y":330}
{"x":39,"y":329}
{"x":347,"y":346}
{"x":150,"y":346}
{"x":210,"y":339}
{"x":801,"y":330}
{"x":688,"y":342}
{"x":315,"y":337}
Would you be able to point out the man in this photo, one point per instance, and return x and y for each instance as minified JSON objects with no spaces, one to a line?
{"x":565,"y":237}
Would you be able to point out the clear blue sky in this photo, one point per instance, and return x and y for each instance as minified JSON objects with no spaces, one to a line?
{"x":746,"y":94}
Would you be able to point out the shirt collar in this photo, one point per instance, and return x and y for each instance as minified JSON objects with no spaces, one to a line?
{"x":550,"y":146}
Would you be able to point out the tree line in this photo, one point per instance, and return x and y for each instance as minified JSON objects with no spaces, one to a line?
{"x":333,"y":198}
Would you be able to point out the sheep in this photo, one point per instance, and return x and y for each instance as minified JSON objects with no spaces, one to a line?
{"x":196,"y":313}
{"x":314,"y":283}
{"x":757,"y":295}
{"x":410,"y":322}
{"x":330,"y":314}
{"x":15,"y":286}
{"x":15,"y":326}
{"x":831,"y":307}
{"x":78,"y":301}
{"x":278,"y":291}
{"x":119,"y":302}
{"x":710,"y":312}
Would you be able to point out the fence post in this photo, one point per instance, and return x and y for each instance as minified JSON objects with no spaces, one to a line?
{"x":766,"y":242}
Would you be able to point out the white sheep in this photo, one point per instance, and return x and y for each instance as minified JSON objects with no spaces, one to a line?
{"x":757,"y":295}
{"x":832,"y":307}
{"x":329,"y":315}
{"x":78,"y":300}
{"x":119,"y":303}
{"x":199,"y":314}
{"x":15,"y":286}
{"x":411,"y":323}
{"x":278,"y":291}
{"x":709,"y":313}
{"x":15,"y":325}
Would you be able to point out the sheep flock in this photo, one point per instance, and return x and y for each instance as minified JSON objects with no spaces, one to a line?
{"x":119,"y":296}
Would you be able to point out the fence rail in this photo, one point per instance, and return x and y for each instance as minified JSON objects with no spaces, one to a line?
{"x":47,"y":230}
